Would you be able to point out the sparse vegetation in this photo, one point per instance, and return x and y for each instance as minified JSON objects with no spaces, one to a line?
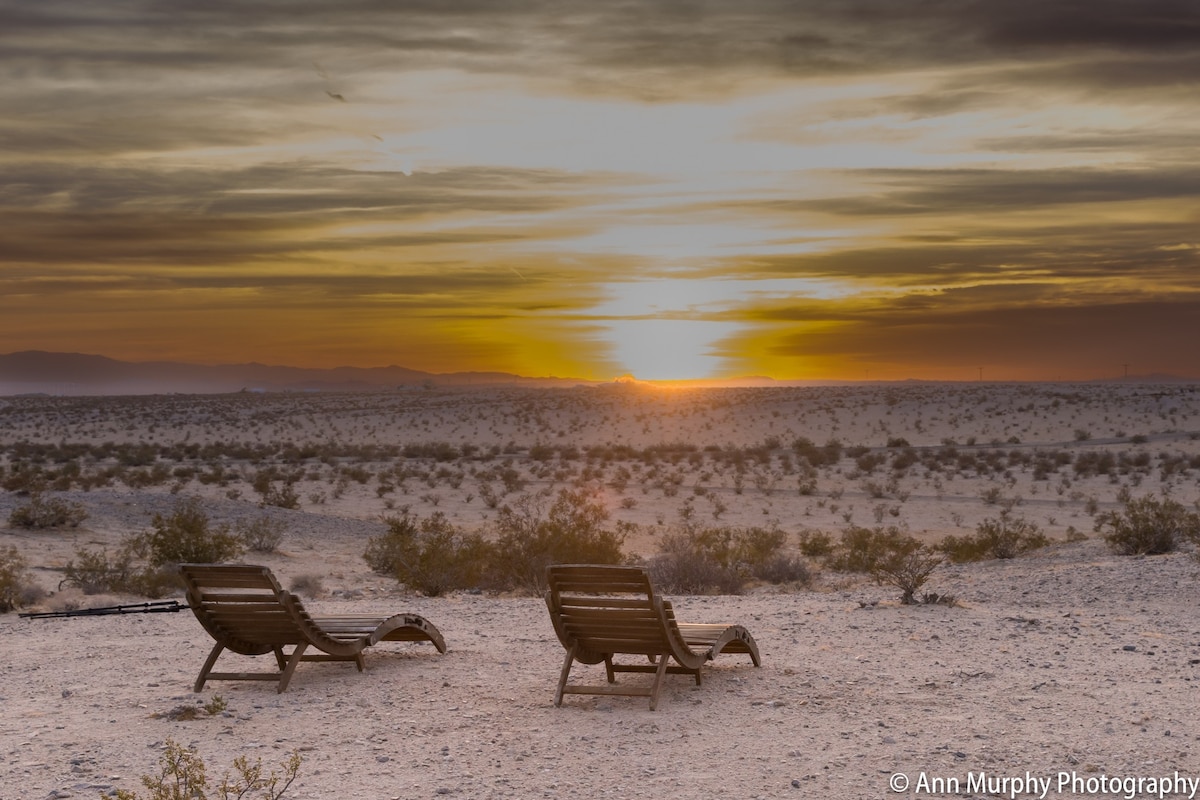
{"x":532,"y":535}
{"x":1002,"y":537}
{"x":1148,"y":526}
{"x":47,"y":512}
{"x":16,"y":589}
{"x":183,"y":776}
{"x":887,"y":555}
{"x":699,"y":560}
{"x":261,"y":535}
{"x":186,"y":536}
{"x":430,"y":555}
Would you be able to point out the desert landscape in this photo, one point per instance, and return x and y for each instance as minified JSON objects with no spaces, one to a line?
{"x":1066,"y":660}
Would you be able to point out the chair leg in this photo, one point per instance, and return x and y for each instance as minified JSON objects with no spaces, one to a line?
{"x":658,"y":676}
{"x":359,"y":662}
{"x":280,"y":658}
{"x":608,"y":669}
{"x":208,"y":665}
{"x":562,"y":678}
{"x":293,"y":661}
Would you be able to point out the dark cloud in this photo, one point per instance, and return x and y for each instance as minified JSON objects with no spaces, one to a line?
{"x":105,"y":215}
{"x":901,"y":192}
{"x":629,"y":42}
{"x":1085,"y":340}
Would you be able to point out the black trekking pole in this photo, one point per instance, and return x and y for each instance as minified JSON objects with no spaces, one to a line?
{"x":157,"y":607}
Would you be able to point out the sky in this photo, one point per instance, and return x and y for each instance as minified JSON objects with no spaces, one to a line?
{"x":820,"y":189}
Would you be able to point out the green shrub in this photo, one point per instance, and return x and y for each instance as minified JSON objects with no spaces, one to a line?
{"x":14,"y":579}
{"x":815,"y":544}
{"x":182,"y":776}
{"x":887,"y":555}
{"x":430,"y":555}
{"x":185,"y":536}
{"x":860,"y":548}
{"x":262,"y":535}
{"x":42,"y":512}
{"x":92,"y":572}
{"x":1148,"y":526}
{"x":907,"y":565}
{"x":531,"y":537}
{"x":1004,"y":537}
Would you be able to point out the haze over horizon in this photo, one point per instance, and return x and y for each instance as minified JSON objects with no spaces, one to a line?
{"x":813,"y":190}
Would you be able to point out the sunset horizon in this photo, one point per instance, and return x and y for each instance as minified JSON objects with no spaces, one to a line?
{"x":677,"y":192}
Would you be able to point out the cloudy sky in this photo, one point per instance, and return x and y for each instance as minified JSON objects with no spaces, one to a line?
{"x":838,"y":189}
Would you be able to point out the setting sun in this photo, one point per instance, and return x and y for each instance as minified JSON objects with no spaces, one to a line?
{"x":799,"y":193}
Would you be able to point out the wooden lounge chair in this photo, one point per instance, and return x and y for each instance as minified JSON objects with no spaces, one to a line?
{"x":600,"y":611}
{"x":245,"y":610}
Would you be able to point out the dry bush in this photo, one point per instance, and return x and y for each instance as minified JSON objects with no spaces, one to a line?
{"x":307,"y":585}
{"x":16,"y":589}
{"x":42,"y":512}
{"x":571,"y":530}
{"x":1004,"y":537}
{"x":182,"y":776}
{"x":261,"y":535}
{"x":186,"y":536}
{"x":1148,"y":526}
{"x":430,"y":555}
{"x":887,"y":555}
{"x":698,"y":560}
{"x":815,"y":544}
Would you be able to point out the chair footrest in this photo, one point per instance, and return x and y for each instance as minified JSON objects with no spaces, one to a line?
{"x":633,"y":691}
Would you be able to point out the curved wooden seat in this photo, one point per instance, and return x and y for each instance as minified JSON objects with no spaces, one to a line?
{"x":599,"y":611}
{"x":245,"y":610}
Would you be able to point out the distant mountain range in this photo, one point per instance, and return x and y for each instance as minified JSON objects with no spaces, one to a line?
{"x":38,"y":372}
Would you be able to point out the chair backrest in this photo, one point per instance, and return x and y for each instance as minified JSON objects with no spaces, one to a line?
{"x":607,"y":609}
{"x":243,"y":606}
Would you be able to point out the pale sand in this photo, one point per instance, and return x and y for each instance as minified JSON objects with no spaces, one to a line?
{"x":1066,"y":660}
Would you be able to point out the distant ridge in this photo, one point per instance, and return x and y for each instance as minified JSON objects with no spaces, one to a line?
{"x":40,"y":372}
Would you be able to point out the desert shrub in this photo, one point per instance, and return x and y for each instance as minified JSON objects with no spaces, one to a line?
{"x":307,"y":585}
{"x":887,"y":555}
{"x":859,"y":549}
{"x":1147,"y":526}
{"x":43,"y":512}
{"x":697,"y":560}
{"x":1003,"y":537}
{"x":261,"y":535}
{"x":893,"y":558}
{"x":183,"y":776}
{"x":430,"y":555}
{"x":186,"y":536}
{"x":92,"y":572}
{"x":815,"y":544}
{"x":784,"y":568}
{"x":907,"y":568}
{"x":532,"y":536}
{"x":14,"y":580}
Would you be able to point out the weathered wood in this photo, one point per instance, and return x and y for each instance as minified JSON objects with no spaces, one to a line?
{"x":599,"y":611}
{"x":268,"y":619}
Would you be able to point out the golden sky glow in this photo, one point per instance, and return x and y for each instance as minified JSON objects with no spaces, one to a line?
{"x":818,"y":189}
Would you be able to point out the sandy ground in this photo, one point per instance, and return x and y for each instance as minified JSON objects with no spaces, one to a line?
{"x":1068,"y":660}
